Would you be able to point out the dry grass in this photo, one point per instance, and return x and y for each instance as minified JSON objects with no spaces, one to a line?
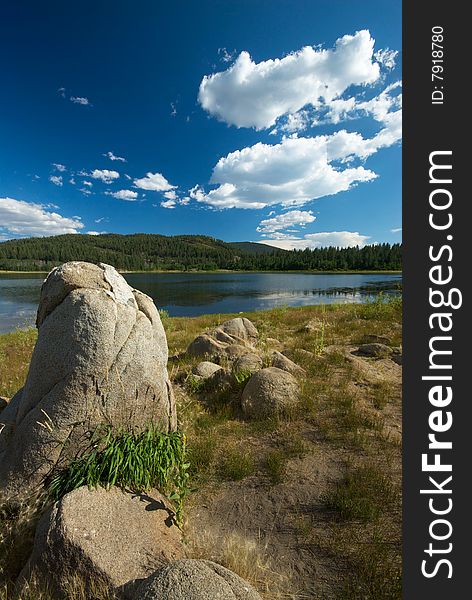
{"x":15,"y":355}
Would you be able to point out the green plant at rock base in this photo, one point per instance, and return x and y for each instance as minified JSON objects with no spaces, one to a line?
{"x":135,"y":460}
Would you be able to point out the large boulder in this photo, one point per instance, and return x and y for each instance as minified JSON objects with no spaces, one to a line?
{"x":114,"y":537}
{"x":269,"y":392}
{"x":195,"y":580}
{"x":101,"y":357}
{"x":229,"y":340}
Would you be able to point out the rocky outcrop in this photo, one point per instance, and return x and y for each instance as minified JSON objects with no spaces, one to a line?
{"x":195,"y":580}
{"x":230,"y":340}
{"x":269,"y":392}
{"x":114,"y":537}
{"x":101,"y":357}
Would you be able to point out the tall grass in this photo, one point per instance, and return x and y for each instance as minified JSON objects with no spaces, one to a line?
{"x":134,"y":460}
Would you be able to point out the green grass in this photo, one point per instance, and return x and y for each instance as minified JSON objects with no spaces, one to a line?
{"x":237,"y":465}
{"x":130,"y":460}
{"x":362,"y":495}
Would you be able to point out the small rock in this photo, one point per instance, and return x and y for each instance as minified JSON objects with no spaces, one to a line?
{"x":376,"y":339}
{"x":282,"y":362}
{"x":205,"y":369}
{"x":195,"y":580}
{"x":108,"y":535}
{"x":313,"y":326}
{"x":269,"y":392}
{"x":249,"y":362}
{"x":375,"y":350}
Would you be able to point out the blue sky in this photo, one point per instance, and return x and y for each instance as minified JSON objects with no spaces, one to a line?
{"x":275,"y":121}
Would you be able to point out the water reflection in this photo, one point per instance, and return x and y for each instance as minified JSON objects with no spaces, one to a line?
{"x":190,"y":294}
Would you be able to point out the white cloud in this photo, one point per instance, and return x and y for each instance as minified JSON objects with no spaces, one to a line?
{"x":386,"y":57}
{"x":72,"y":181}
{"x":171,"y":195}
{"x":85,"y":191}
{"x":104,"y":175}
{"x":62,"y":92}
{"x":250,"y":94}
{"x":95,"y":232}
{"x":342,"y":239}
{"x":184,"y":201}
{"x":112,"y":156}
{"x":226,"y":55}
{"x":168,"y":204}
{"x":173,"y":109}
{"x":293,"y":218}
{"x":396,"y":230}
{"x":56,"y":180}
{"x":80,"y":100}
{"x":155,"y":182}
{"x":88,"y":183}
{"x":290,"y":173}
{"x":20,"y":218}
{"x":59,"y":167}
{"x":128,"y":195}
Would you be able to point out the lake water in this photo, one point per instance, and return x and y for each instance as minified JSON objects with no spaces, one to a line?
{"x":191,"y":294}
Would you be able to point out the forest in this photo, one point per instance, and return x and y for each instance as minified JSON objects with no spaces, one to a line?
{"x":152,"y":252}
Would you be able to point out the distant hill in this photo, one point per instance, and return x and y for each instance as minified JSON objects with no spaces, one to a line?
{"x":252,"y":247}
{"x":148,"y":252}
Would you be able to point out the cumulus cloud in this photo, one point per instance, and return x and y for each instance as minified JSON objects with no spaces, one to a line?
{"x":95,"y":232}
{"x":250,"y":94}
{"x":291,"y":173}
{"x":293,"y":218}
{"x":104,"y":175}
{"x":112,"y":156}
{"x":155,"y":182}
{"x":80,"y":100}
{"x":21,"y":218}
{"x":128,"y":195}
{"x":171,"y":195}
{"x":88,"y":183}
{"x":56,"y":180}
{"x":168,"y":204}
{"x":341,"y":239}
{"x":59,"y":167}
{"x":386,"y":57}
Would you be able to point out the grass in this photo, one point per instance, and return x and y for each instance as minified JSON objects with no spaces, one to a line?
{"x":130,"y":460}
{"x":237,"y":464}
{"x":15,"y":354}
{"x":363,"y":494}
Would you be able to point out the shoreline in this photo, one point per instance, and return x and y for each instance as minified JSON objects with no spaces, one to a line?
{"x":221,"y":271}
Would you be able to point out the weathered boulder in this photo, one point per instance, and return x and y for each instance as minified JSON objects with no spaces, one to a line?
{"x":248,"y":363}
{"x":195,"y":580}
{"x":104,"y":535}
{"x":101,"y":356}
{"x":375,"y":350}
{"x":230,"y":340}
{"x":205,"y":369}
{"x":269,"y":392}
{"x":372,"y":338}
{"x":283,"y":362}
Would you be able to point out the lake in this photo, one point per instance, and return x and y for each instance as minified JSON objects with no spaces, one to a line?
{"x":191,"y":294}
